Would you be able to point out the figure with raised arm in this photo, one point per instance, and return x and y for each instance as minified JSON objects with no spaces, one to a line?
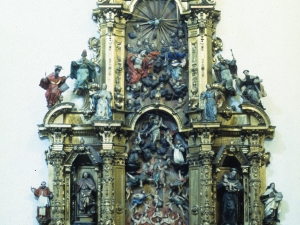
{"x":225,"y":71}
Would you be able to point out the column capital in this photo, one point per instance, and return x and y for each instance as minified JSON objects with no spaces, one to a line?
{"x":107,"y":130}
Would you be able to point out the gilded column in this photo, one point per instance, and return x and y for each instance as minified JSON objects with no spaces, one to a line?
{"x":107,"y":130}
{"x":256,"y":159}
{"x":194,"y":176}
{"x":67,"y":187}
{"x":119,"y":188}
{"x":111,"y":19}
{"x":107,"y":184}
{"x":55,"y":158}
{"x":207,"y":203}
{"x":201,"y":27}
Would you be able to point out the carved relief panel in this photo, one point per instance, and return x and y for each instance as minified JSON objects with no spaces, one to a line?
{"x":157,"y":189}
{"x":157,"y":54}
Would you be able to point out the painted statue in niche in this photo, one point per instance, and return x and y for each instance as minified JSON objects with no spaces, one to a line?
{"x":54,"y":86}
{"x":230,"y":201}
{"x":86,"y":189}
{"x":251,"y":89}
{"x":44,"y":195}
{"x":271,"y":199}
{"x":83,"y":70}
{"x":157,"y":172}
{"x":156,"y":56}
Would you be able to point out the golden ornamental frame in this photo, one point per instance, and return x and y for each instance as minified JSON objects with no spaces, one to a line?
{"x":100,"y":147}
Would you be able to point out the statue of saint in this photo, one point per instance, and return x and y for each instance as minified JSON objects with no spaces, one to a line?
{"x":210,"y":110}
{"x":54,"y":86}
{"x":271,"y":199}
{"x":85,"y":189}
{"x":44,"y":195}
{"x":225,"y":70}
{"x":251,"y":89}
{"x":230,"y":202}
{"x":83,"y":70}
{"x":101,"y":104}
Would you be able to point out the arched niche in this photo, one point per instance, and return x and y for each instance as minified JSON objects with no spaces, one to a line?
{"x":83,"y":159}
{"x":228,"y":158}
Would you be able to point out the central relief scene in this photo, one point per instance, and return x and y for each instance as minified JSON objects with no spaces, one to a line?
{"x":157,"y":173}
{"x":156,"y":73}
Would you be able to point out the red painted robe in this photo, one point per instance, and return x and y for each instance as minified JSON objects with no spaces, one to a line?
{"x":43,"y":209}
{"x":52,"y":86}
{"x":137,"y":74}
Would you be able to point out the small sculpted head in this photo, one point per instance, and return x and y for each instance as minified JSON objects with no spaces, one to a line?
{"x":220,"y":58}
{"x":43,"y":184}
{"x":233,"y":172}
{"x":85,"y":175}
{"x":84,"y":54}
{"x":208,"y":87}
{"x":57,"y":70}
{"x":143,"y":53}
{"x":246,"y":72}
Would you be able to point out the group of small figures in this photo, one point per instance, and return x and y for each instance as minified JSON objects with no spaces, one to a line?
{"x":85,"y":197}
{"x":152,"y":214}
{"x":178,"y":199}
{"x":83,"y":70}
{"x":96,"y":100}
{"x":150,"y":140}
{"x":157,"y":218}
{"x":169,"y":85}
{"x":249,"y":88}
{"x":156,"y":72}
{"x":142,"y":84}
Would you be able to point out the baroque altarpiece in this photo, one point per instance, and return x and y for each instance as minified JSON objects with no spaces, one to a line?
{"x":169,"y":131}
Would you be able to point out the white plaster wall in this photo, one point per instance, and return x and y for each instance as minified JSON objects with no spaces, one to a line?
{"x":36,"y":35}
